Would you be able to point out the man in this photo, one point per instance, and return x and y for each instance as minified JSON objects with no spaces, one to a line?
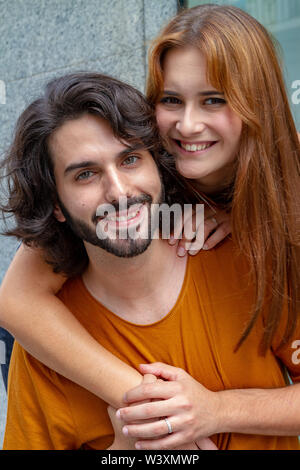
{"x":91,"y":141}
{"x":98,"y":153}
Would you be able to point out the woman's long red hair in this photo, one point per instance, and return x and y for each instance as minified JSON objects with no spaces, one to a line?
{"x":242,"y":62}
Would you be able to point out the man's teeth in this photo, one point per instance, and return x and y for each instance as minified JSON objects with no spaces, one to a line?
{"x":194,"y":147}
{"x":123,"y":218}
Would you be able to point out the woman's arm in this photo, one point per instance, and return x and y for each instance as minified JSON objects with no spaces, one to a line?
{"x":43,"y":325}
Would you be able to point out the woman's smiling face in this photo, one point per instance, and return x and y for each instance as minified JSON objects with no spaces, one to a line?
{"x":197,"y":125}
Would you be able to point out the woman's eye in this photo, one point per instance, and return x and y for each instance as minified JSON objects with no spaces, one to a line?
{"x":84,"y":175}
{"x":131,"y":160}
{"x":215,"y":101}
{"x":170,"y":100}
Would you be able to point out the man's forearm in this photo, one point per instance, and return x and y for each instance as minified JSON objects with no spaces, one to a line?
{"x":261,"y":411}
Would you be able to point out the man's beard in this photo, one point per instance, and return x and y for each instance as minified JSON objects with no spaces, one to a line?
{"x":123,"y":248}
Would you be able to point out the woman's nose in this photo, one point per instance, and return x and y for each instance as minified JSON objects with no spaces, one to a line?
{"x":190,"y":122}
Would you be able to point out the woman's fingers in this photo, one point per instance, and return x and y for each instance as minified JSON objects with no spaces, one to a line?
{"x":148,"y":430}
{"x":160,"y":369}
{"x":155,"y":409}
{"x":216,"y":237}
{"x":149,"y":379}
{"x":196,"y":245}
{"x":160,"y":390}
{"x":158,"y":431}
{"x":190,"y":229}
{"x":196,"y":234}
{"x":159,"y":428}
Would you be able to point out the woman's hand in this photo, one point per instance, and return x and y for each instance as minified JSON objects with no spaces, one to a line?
{"x":191,"y":409}
{"x":216,"y":227}
{"x":122,"y":442}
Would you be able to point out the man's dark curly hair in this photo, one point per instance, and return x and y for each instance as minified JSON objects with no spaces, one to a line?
{"x":28,"y":168}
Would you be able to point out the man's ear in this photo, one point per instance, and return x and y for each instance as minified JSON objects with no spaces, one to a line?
{"x":58,"y":214}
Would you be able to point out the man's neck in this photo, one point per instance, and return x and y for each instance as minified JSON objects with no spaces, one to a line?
{"x":148,"y":283}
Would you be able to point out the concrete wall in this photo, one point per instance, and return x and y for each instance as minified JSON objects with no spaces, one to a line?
{"x":41,"y":39}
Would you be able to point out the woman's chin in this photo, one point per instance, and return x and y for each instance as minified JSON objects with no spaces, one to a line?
{"x":188,"y":171}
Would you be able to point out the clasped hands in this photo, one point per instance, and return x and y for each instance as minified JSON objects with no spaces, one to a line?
{"x":166,"y":392}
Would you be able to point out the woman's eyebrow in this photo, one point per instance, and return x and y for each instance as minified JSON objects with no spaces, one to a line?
{"x":201,"y":93}
{"x":211,"y":92}
{"x":169,"y":92}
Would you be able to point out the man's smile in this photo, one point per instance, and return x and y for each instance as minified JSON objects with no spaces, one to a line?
{"x":125,"y":218}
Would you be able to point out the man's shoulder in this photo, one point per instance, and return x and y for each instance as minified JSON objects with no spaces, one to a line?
{"x":80,"y":302}
{"x":224,"y":250}
{"x":225,"y":259}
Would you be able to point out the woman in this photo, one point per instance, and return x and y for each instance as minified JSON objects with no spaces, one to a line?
{"x":217,"y":118}
{"x":244,"y":146}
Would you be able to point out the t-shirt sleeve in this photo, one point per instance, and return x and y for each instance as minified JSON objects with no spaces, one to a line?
{"x":38,"y":414}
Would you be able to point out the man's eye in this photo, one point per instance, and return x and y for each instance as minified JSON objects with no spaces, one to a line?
{"x":131,"y":160}
{"x":170,"y":100}
{"x":84,"y":175}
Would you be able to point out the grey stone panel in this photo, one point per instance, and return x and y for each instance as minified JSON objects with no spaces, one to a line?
{"x":8,"y":247}
{"x":157,"y":13}
{"x":39,"y":35}
{"x":128,"y":67}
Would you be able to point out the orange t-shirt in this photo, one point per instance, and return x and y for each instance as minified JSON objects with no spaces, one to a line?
{"x":48,"y":411}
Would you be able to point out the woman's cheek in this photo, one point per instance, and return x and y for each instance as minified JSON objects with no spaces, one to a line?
{"x":162,"y":121}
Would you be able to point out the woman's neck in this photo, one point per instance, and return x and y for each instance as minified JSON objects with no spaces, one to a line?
{"x":220,"y":194}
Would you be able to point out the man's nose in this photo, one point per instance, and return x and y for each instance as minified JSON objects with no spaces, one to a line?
{"x":190,"y":122}
{"x":116,"y":186}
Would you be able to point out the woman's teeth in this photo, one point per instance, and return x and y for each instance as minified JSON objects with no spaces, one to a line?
{"x":194,"y":147}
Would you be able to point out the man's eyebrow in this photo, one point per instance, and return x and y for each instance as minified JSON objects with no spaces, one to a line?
{"x":82,"y":164}
{"x":92,"y":163}
{"x":201,"y":93}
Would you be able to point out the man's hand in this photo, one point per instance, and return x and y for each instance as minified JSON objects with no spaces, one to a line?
{"x":192,"y":410}
{"x":121,"y":442}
